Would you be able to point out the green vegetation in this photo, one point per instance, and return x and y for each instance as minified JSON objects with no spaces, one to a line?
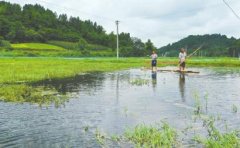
{"x":5,"y":44}
{"x":197,"y":105}
{"x":54,"y":49}
{"x":150,"y":136}
{"x":164,"y":136}
{"x":216,"y":139}
{"x":36,"y":46}
{"x":234,"y":108}
{"x":140,"y":82}
{"x":24,"y":71}
{"x":34,"y":23}
{"x":213,"y":45}
{"x":37,"y":95}
{"x":15,"y":70}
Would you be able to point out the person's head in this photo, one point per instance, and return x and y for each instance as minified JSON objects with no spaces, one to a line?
{"x":153,"y":52}
{"x":182,"y":50}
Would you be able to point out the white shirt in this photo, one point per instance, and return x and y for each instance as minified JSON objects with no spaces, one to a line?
{"x":182,"y":56}
{"x":154,"y":56}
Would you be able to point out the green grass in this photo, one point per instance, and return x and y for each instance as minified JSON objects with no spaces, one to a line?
{"x":79,"y":46}
{"x":55,"y":49}
{"x":152,"y":136}
{"x":36,"y":46}
{"x":217,"y":139}
{"x":35,"y":95}
{"x":14,"y":70}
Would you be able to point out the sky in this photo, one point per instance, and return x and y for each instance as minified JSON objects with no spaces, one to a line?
{"x":162,"y":21}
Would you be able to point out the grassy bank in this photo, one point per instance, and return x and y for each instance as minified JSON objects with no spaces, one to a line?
{"x":14,"y":70}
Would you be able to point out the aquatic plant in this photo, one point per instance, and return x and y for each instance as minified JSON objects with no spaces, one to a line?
{"x":234,"y":108}
{"x":198,"y":105}
{"x":116,"y":138}
{"x":216,"y":139}
{"x":125,"y":110}
{"x":140,"y":82}
{"x":100,"y":137}
{"x":149,"y":136}
{"x":41,"y":95}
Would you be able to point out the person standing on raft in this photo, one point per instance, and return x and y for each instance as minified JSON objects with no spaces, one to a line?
{"x":154,"y":61}
{"x":182,"y":59}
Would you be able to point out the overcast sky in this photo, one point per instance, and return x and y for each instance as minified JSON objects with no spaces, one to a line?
{"x":162,"y":21}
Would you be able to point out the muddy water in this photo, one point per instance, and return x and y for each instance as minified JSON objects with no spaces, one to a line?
{"x":110,"y":102}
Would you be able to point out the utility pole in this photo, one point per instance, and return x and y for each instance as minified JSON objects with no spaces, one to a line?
{"x":117,"y":23}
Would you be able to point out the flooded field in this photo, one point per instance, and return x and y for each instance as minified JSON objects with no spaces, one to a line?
{"x":112,"y":102}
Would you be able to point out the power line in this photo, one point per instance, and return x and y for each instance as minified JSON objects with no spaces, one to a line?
{"x":238,"y":17}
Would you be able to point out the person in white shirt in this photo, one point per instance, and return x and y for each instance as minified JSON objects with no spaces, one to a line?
{"x":182,"y":59}
{"x":154,"y":61}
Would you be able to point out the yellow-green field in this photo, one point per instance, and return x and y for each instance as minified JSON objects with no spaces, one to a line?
{"x":54,"y":49}
{"x":36,"y":46}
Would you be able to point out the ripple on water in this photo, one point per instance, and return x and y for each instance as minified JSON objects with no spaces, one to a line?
{"x":108,"y":101}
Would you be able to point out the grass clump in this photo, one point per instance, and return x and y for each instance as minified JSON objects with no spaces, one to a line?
{"x":198,"y":105}
{"x":216,"y":139}
{"x":40,"y":95}
{"x":149,"y":136}
{"x":100,"y":137}
{"x":140,"y":82}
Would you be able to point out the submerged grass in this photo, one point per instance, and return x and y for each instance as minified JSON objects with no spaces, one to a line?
{"x":140,"y":82}
{"x":216,"y":139}
{"x":141,"y":136}
{"x":150,"y":136}
{"x":40,"y":95}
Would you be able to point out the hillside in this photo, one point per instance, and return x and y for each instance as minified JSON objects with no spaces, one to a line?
{"x":212,"y":45}
{"x":34,"y":23}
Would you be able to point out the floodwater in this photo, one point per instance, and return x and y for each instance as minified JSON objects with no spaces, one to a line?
{"x":112,"y":102}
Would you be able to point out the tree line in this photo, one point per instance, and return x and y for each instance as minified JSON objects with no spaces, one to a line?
{"x":212,"y":45}
{"x":34,"y":23}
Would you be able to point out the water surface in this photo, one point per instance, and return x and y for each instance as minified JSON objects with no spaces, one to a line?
{"x":111,"y":102}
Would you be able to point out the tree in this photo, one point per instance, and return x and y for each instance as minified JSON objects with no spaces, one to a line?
{"x":149,"y":46}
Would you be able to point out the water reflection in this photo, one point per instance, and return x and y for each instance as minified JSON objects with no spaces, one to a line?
{"x":154,"y":79}
{"x":115,"y":105}
{"x":182,"y":86}
{"x":89,"y":82}
{"x":117,"y":88}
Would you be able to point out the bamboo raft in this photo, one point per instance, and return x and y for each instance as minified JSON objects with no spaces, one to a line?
{"x":187,"y":71}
